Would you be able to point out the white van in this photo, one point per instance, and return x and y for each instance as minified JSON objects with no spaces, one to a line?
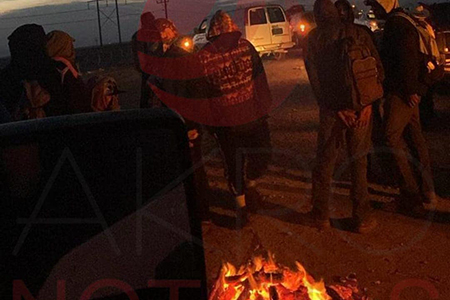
{"x":266,"y":27}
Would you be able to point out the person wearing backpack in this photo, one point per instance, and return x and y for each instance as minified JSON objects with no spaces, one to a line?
{"x":61,"y":49}
{"x":407,"y":70}
{"x":345,"y":73}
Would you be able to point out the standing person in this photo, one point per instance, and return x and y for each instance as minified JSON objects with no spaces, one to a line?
{"x":173,"y":51}
{"x":237,"y":88}
{"x":147,"y":47}
{"x":347,"y":14}
{"x":30,"y":86}
{"x":406,"y":71}
{"x":61,"y":49}
{"x":340,"y":121}
{"x":426,"y":106}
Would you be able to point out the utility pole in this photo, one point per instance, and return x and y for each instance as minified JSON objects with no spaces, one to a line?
{"x":99,"y":24}
{"x":107,"y":15}
{"x":118,"y":22}
{"x":165,"y":6}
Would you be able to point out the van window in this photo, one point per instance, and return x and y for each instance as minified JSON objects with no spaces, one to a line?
{"x":258,"y":16}
{"x":275,"y":15}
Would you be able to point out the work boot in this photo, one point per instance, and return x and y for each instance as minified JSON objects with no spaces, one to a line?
{"x":413,"y":210}
{"x":367,"y":225}
{"x":317,"y":220}
{"x":253,"y":200}
{"x":410,"y":204}
{"x":430,"y":198}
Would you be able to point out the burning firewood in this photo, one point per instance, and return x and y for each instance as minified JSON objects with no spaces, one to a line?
{"x":273,"y":293}
{"x":264,"y":279}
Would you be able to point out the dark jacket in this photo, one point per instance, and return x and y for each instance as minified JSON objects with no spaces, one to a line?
{"x":323,"y":60}
{"x":74,"y":89}
{"x":146,"y":48}
{"x":30,"y":62}
{"x":404,"y":64}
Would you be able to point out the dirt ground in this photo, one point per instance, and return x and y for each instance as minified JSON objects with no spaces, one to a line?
{"x":403,"y":255}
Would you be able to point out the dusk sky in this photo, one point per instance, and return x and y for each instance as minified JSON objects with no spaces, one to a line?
{"x":74,"y":17}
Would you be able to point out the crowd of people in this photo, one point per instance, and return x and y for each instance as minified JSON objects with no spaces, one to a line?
{"x":408,"y":67}
{"x":223,"y":89}
{"x":379,"y":92}
{"x":43,"y":80}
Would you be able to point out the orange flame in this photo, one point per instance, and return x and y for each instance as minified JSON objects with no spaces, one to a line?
{"x":262,"y":278}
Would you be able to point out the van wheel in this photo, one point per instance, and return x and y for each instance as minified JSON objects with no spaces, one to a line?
{"x":279,"y":55}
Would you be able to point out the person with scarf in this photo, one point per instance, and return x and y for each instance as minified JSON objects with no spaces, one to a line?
{"x":340,"y":123}
{"x":30,"y":86}
{"x":61,"y":49}
{"x":405,"y":85}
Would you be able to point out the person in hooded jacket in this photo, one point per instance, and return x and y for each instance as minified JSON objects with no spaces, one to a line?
{"x":340,"y":123}
{"x":30,"y":86}
{"x":176,"y":60}
{"x":238,"y":99}
{"x":406,"y":83}
{"x":146,"y":47}
{"x":61,"y":49}
{"x":347,"y":14}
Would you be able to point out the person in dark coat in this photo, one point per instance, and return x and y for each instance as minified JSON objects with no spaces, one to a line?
{"x":347,"y":15}
{"x":238,"y":99}
{"x":173,"y":50}
{"x":340,"y":123}
{"x":147,"y":48}
{"x":31,"y":74}
{"x":61,"y":49}
{"x":406,"y":71}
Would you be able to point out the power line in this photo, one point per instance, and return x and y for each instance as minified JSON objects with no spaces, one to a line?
{"x":133,"y":3}
{"x":77,"y":21}
{"x":62,"y":12}
{"x":164,"y":2}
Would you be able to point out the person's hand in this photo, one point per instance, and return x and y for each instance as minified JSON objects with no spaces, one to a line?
{"x":413,"y":100}
{"x":192,"y":135}
{"x":348,"y":117}
{"x":364,"y":117}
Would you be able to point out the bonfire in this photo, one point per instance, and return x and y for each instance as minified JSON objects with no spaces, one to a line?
{"x":264,"y":279}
